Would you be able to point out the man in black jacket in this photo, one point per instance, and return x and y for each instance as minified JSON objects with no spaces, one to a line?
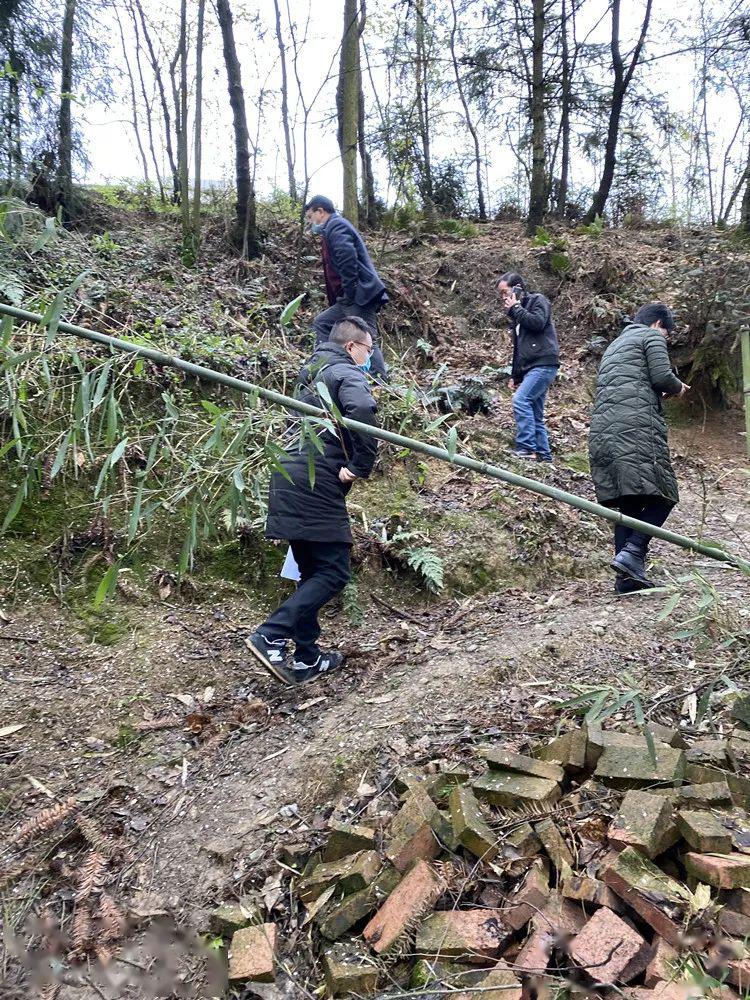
{"x":312,"y":515}
{"x":536,"y":360}
{"x":353,"y":286}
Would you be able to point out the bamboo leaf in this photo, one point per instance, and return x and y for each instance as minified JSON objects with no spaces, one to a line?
{"x":119,"y":451}
{"x":669,"y":607}
{"x":287,"y":313}
{"x":106,"y":584}
{"x":53,"y":314}
{"x":101,"y":385}
{"x":238,"y":479}
{"x":451,"y":443}
{"x":135,"y":515}
{"x":15,"y":507}
{"x":7,"y":331}
{"x":62,"y":452}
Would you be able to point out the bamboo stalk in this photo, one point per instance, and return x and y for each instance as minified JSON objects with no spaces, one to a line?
{"x":745,"y":341}
{"x":484,"y":468}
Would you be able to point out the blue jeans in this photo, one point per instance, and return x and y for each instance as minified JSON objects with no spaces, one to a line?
{"x":528,"y":410}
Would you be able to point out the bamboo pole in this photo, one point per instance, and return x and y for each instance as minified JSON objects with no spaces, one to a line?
{"x":484,"y":468}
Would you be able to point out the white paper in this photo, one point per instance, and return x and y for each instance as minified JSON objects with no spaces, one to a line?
{"x":290,"y":569}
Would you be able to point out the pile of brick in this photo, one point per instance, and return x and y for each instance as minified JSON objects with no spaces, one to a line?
{"x":601,"y":860}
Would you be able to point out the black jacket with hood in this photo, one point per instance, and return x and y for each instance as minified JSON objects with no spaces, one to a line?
{"x":297,"y":509}
{"x":534,"y":336}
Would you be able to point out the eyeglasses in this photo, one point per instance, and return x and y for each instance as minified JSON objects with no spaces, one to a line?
{"x":361,"y":343}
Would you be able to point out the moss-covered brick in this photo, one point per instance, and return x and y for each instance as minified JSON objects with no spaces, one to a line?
{"x":470,"y":826}
{"x":512,"y":790}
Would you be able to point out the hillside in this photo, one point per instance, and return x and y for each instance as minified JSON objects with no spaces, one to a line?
{"x":136,"y":693}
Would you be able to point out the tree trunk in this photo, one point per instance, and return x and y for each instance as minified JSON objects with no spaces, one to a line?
{"x":423,"y":113}
{"x":164,"y":103}
{"x":538,"y":198}
{"x":348,"y":109}
{"x":285,"y":107}
{"x":197,"y":148}
{"x":133,"y":100}
{"x":147,"y":107}
{"x":745,"y":209}
{"x":65,"y":129}
{"x":562,"y":191}
{"x":368,"y":179}
{"x":619,"y":89}
{"x":245,"y":233}
{"x":467,"y":116}
{"x":182,"y":148}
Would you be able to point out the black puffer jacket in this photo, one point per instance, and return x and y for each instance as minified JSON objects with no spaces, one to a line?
{"x":534,"y":336}
{"x":628,"y":437}
{"x":297,"y":510}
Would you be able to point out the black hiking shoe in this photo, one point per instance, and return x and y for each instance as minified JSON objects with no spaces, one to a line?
{"x":626,"y":585}
{"x":630,"y":561}
{"x":325,"y":664}
{"x":272,"y":653}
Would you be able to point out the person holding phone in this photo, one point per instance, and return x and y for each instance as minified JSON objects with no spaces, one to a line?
{"x":628,"y":447}
{"x":536,"y":360}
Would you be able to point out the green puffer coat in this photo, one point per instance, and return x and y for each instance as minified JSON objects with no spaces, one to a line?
{"x":628,"y":437}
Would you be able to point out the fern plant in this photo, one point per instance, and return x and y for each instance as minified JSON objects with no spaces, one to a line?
{"x":428,"y":564}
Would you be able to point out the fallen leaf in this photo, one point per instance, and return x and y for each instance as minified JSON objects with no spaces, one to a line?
{"x":9,"y":730}
{"x":39,"y":786}
{"x":208,"y":695}
{"x":185,"y":699}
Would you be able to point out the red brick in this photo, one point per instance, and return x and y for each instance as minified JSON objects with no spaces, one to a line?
{"x":414,"y":896}
{"x":534,"y":957}
{"x":739,"y":974}
{"x":661,"y":967}
{"x":562,"y":917}
{"x":609,"y":950}
{"x":645,"y":908}
{"x":529,"y":899}
{"x":731,"y":871}
{"x":411,"y":834}
{"x":251,"y":954}
{"x":501,"y":976}
{"x":466,"y":935}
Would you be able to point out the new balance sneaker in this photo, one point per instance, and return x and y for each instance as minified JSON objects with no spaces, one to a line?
{"x":325,"y":664}
{"x":272,"y":653}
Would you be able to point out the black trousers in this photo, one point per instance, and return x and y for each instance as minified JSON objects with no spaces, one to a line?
{"x":651,"y":509}
{"x":325,"y":569}
{"x":325,"y":321}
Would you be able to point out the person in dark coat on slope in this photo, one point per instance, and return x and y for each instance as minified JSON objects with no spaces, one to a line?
{"x":628,"y":448}
{"x":353,"y":286}
{"x":536,"y":360}
{"x":313,"y":517}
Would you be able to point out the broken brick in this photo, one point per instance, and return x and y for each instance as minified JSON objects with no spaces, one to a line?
{"x":668,"y":735}
{"x":530,"y":898}
{"x":349,"y":874}
{"x":516,"y":763}
{"x":561,"y":917}
{"x":534,"y":956}
{"x":251,"y":954}
{"x":568,"y":750}
{"x":469,"y":825}
{"x":730,"y":871}
{"x":704,"y":832}
{"x":710,"y":753}
{"x":660,"y":900}
{"x":338,"y":917}
{"x":501,"y":976}
{"x":231,"y":917}
{"x":523,"y":840}
{"x":610,"y":950}
{"x":348,"y":970}
{"x":737,"y":899}
{"x":633,"y":766}
{"x":741,"y":709}
{"x":733,"y":923}
{"x":554,"y":844}
{"x":709,"y":793}
{"x":661,"y":968}
{"x":414,"y":896}
{"x":465,"y":935}
{"x":585,"y":889}
{"x":504,"y":789}
{"x":644,"y":822}
{"x":346,"y":839}
{"x":442,"y":827}
{"x":739,"y":789}
{"x":411,"y":834}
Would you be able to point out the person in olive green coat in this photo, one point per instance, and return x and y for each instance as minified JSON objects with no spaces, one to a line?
{"x":628,"y":449}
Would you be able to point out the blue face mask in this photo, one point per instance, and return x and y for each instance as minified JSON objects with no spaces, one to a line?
{"x":366,"y":366}
{"x":317,"y":227}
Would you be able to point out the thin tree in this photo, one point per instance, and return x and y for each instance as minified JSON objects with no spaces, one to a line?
{"x":423,"y":113}
{"x":146,"y":104}
{"x":245,"y":232}
{"x":133,"y":101}
{"x":182,"y":145}
{"x":285,"y":106}
{"x":622,"y":78}
{"x":467,"y":115}
{"x":197,"y":147}
{"x":347,"y":100}
{"x":538,"y":195}
{"x":156,"y":69}
{"x":65,"y":127}
{"x":369,"y":208}
{"x":565,"y":101}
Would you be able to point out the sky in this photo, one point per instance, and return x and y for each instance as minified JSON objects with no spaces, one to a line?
{"x":109,"y":135}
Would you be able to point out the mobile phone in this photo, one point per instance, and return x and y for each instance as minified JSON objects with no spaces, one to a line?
{"x":518,"y":291}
